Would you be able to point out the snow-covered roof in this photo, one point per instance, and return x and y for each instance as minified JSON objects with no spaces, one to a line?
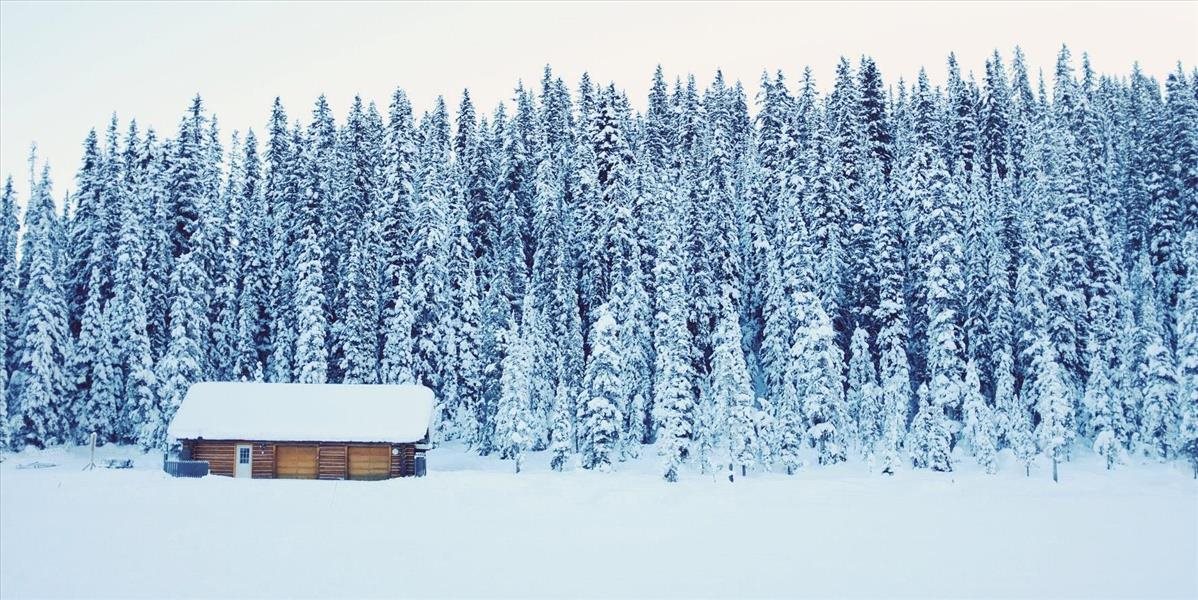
{"x":297,"y":412}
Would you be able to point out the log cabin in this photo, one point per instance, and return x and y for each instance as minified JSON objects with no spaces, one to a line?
{"x":304,"y":431}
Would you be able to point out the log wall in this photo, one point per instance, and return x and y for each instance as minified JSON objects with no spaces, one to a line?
{"x":332,"y":457}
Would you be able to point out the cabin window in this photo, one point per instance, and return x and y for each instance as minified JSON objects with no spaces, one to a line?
{"x":243,"y":456}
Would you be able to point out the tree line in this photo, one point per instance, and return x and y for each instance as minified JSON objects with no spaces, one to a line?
{"x":910,"y":274}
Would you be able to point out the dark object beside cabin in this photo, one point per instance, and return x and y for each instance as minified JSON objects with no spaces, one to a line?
{"x":186,"y":468}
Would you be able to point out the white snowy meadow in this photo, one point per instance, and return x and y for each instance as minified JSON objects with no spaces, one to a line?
{"x":473,"y":529}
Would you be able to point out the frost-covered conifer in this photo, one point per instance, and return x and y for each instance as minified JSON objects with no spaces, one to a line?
{"x":1053,"y":405}
{"x":602,"y":393}
{"x":928,"y":440}
{"x":730,"y":388}
{"x":39,"y":385}
{"x":673,"y":398}
{"x":979,"y":431}
{"x":311,"y":354}
{"x":561,"y":442}
{"x":513,"y":430}
{"x":1187,"y":355}
{"x":863,"y":396}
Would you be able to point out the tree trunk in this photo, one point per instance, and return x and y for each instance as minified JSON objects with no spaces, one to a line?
{"x":1054,"y":469}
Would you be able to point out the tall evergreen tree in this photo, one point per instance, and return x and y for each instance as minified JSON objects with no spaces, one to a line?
{"x":39,"y":385}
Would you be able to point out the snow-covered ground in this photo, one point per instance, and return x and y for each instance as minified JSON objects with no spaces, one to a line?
{"x":472,"y":528}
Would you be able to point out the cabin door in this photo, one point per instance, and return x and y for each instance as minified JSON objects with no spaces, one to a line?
{"x":245,"y":461}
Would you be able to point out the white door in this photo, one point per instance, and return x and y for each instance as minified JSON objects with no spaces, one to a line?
{"x":245,"y":461}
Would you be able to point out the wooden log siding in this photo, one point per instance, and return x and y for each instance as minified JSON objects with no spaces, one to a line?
{"x":403,"y":463}
{"x":263,"y":466}
{"x":219,"y":454}
{"x":331,"y":462}
{"x":332,"y":458}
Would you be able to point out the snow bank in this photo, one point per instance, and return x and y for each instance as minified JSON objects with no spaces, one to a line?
{"x":303,"y":412}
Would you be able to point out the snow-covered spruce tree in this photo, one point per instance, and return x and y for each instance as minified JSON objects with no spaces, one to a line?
{"x":631,"y":302}
{"x":1106,"y":422}
{"x":1053,"y":404}
{"x":673,"y":398}
{"x":894,"y":399}
{"x":396,"y":364}
{"x":83,"y":229}
{"x":929,"y":438}
{"x":894,"y":394}
{"x":8,"y":299}
{"x":433,"y":221}
{"x":513,"y":431}
{"x":183,"y":363}
{"x":978,"y":433}
{"x":127,"y":308}
{"x":93,"y":385}
{"x":311,"y":359}
{"x":603,"y":392}
{"x":944,"y":282}
{"x":253,"y":302}
{"x":561,"y":442}
{"x":358,"y":331}
{"x":227,"y":273}
{"x":39,"y":385}
{"x":1187,"y":355}
{"x":817,"y":372}
{"x":1159,"y":377}
{"x":730,"y":387}
{"x":464,"y":365}
{"x":863,"y":396}
{"x":398,"y":314}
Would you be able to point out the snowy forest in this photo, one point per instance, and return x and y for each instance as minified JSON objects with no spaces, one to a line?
{"x":894,"y":272}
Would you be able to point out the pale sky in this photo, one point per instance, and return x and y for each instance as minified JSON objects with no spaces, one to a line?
{"x":64,"y":68}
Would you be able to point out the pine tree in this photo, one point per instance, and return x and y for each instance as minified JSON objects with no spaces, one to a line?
{"x":673,"y":400}
{"x":1053,"y":405}
{"x":603,"y":393}
{"x":39,"y":385}
{"x":513,"y":429}
{"x":863,"y":396}
{"x":979,"y":431}
{"x":561,"y":443}
{"x":929,"y":438}
{"x":1106,"y":421}
{"x":894,"y":398}
{"x":817,"y":375}
{"x":1187,"y":355}
{"x":182,"y":365}
{"x":1159,"y":376}
{"x":253,"y":304}
{"x":944,"y":282}
{"x":311,"y":361}
{"x":8,"y":300}
{"x":127,"y":316}
{"x":730,"y":387}
{"x":358,"y":331}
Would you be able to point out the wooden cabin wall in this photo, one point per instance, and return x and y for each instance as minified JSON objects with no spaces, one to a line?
{"x":331,"y":458}
{"x":331,"y":462}
{"x":219,"y":454}
{"x":403,"y":464}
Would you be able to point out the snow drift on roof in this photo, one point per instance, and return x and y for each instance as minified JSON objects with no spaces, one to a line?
{"x":303,"y":412}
